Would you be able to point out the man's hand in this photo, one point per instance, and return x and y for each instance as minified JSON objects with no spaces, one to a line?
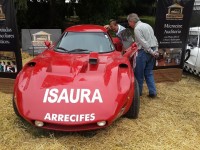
{"x":155,"y":54}
{"x":107,"y":27}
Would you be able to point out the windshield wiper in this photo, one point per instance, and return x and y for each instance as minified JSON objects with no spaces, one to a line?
{"x":79,"y":50}
{"x":62,"y":49}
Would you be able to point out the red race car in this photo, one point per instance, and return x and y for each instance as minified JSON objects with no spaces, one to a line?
{"x":83,"y":82}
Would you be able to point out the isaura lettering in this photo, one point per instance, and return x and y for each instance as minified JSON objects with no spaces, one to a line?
{"x":72,"y":96}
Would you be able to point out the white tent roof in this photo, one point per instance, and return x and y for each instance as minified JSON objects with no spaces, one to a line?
{"x":196,"y":5}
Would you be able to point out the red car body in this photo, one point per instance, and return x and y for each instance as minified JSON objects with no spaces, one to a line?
{"x":77,"y":91}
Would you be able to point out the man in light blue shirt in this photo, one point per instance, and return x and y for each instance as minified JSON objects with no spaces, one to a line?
{"x":114,"y":26}
{"x":147,"y":52}
{"x":121,"y":32}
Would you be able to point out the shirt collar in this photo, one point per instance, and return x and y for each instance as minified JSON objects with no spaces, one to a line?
{"x":119,"y":28}
{"x":137,"y":23}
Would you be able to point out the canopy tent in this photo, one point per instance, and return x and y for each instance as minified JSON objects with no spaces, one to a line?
{"x":195,"y":21}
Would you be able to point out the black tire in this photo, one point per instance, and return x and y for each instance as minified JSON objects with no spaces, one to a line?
{"x":21,"y":119}
{"x":15,"y":108}
{"x":133,"y":111}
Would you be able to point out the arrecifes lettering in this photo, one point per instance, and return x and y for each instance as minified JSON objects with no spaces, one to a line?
{"x":72,"y":96}
{"x":69,"y":118}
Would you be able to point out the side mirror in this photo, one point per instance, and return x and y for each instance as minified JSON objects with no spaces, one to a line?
{"x":117,"y":43}
{"x":191,"y":45}
{"x":118,"y":46}
{"x":47,"y":43}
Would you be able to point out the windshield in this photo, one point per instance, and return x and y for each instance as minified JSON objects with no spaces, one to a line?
{"x":84,"y":42}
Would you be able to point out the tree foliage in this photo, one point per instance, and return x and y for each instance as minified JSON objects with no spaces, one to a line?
{"x":55,"y":13}
{"x":99,"y":10}
{"x":21,"y":4}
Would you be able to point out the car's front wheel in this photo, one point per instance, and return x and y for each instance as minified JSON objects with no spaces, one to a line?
{"x":133,"y":111}
{"x":15,"y":108}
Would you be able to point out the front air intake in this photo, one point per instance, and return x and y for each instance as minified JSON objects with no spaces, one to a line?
{"x":93,"y":58}
{"x":93,"y":61}
{"x":31,"y":64}
{"x":123,"y":66}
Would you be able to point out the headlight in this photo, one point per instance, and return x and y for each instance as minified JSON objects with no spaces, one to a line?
{"x":39,"y":123}
{"x":101,"y":123}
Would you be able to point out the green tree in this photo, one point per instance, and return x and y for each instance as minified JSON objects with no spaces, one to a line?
{"x":53,"y":13}
{"x":99,"y":11}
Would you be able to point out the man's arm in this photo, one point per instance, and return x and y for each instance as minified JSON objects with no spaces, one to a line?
{"x":107,"y":27}
{"x":144,"y":43}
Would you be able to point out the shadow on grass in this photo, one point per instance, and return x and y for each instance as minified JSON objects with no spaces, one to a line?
{"x":187,"y":74}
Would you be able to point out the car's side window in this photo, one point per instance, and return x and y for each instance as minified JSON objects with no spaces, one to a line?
{"x":193,"y":39}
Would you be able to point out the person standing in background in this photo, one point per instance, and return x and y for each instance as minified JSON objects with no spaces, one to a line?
{"x":147,"y":52}
{"x":1,"y":67}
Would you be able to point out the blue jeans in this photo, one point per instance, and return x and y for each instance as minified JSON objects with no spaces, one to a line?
{"x":144,"y":69}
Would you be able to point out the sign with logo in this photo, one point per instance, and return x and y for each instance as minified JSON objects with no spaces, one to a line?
{"x":33,"y":39}
{"x":171,"y":30}
{"x":10,"y":55}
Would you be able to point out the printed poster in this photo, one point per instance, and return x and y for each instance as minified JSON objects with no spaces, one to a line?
{"x":33,"y":40}
{"x":10,"y":55}
{"x":171,"y":29}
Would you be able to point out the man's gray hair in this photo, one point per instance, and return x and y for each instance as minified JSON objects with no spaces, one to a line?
{"x":133,"y":17}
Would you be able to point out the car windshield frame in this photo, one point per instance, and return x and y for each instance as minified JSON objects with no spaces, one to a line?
{"x":84,"y":42}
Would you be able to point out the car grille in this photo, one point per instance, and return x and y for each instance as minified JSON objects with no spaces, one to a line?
{"x":84,"y":127}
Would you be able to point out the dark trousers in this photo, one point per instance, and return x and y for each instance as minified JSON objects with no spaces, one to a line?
{"x":144,"y":69}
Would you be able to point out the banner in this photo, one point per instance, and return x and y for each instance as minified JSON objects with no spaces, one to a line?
{"x":171,"y":30}
{"x":10,"y":55}
{"x":33,"y":39}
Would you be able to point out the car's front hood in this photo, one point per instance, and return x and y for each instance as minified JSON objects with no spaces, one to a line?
{"x":68,"y":89}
